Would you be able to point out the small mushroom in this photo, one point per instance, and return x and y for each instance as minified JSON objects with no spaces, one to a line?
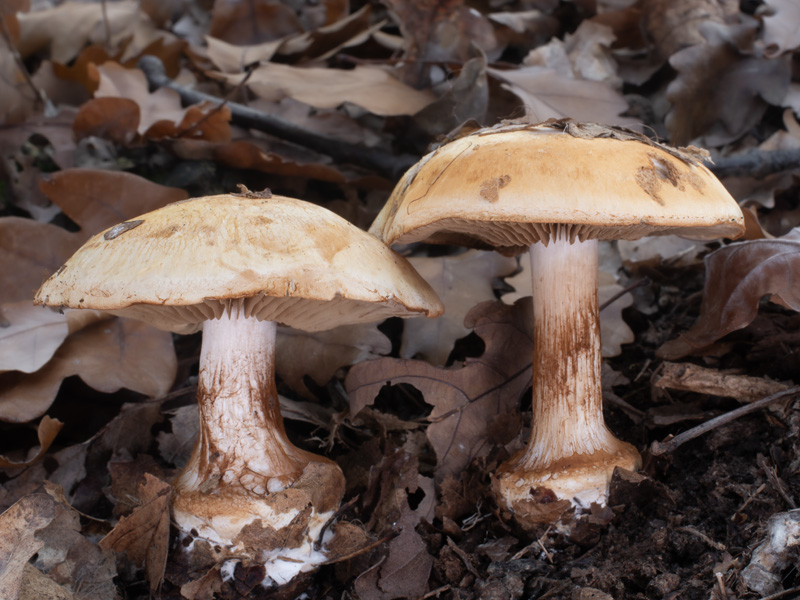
{"x":555,"y":189}
{"x":237,"y":266}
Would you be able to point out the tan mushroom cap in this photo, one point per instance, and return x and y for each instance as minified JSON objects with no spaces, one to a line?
{"x":278,"y":258}
{"x":509,"y":187}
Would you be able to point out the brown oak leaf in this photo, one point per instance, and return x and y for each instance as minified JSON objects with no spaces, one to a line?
{"x":144,"y":535}
{"x":737,"y":277}
{"x":466,"y":400}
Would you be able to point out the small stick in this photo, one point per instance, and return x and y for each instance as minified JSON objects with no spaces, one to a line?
{"x":691,"y":530}
{"x":723,"y":592}
{"x":659,"y":448}
{"x":784,"y":594}
{"x":756,"y":163}
{"x":644,"y":281}
{"x":383,"y":163}
{"x":362,"y":550}
{"x":749,"y":500}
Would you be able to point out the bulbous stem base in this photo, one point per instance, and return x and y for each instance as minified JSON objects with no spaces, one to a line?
{"x":246,"y":487}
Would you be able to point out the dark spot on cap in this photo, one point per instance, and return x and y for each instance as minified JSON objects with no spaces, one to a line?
{"x":491,"y":187}
{"x":118,"y":230}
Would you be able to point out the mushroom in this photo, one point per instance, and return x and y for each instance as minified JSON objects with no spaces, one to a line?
{"x":236,"y":265}
{"x":555,"y":189}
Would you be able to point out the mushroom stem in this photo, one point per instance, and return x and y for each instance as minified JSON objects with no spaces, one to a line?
{"x":242,"y":441}
{"x":571,"y":451}
{"x":243,"y":468}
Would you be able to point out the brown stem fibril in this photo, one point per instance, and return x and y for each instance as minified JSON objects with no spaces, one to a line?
{"x":383,"y":163}
{"x":659,"y":448}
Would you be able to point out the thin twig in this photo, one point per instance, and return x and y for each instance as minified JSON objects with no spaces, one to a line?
{"x":346,"y":506}
{"x":362,"y":550}
{"x":436,"y":592}
{"x":699,"y":534}
{"x":644,"y":281}
{"x":784,"y":595}
{"x":383,"y":163}
{"x":659,"y":448}
{"x":749,"y":500}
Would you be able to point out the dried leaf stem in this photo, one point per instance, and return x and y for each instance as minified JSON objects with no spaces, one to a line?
{"x":659,"y":448}
{"x":385,"y":164}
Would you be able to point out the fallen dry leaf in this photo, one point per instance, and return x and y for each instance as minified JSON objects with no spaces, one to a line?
{"x":672,"y":25}
{"x":252,"y":23}
{"x":404,"y":570}
{"x":29,"y":336}
{"x":320,"y":354}
{"x":161,"y":113}
{"x":233,"y":58}
{"x":325,"y":41}
{"x":69,"y":558}
{"x":439,"y":32}
{"x":47,"y":431}
{"x":29,"y":253}
{"x":371,"y":88}
{"x":44,"y":30}
{"x":19,"y":165}
{"x":737,"y":277}
{"x":585,"y":55}
{"x":108,"y":356}
{"x":461,"y":281}
{"x":144,"y":535}
{"x":97,"y":200}
{"x":260,"y":155}
{"x":720,"y":91}
{"x":467,"y":400}
{"x":781,"y":33}
{"x":18,"y":542}
{"x":545,"y":94}
{"x":17,"y":99}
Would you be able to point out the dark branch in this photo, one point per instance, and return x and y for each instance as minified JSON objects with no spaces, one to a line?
{"x":385,"y":164}
{"x":756,"y":163}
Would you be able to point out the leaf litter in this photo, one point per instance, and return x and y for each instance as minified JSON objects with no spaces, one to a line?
{"x":98,"y":413}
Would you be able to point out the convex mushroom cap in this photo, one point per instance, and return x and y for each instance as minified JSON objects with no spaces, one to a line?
{"x":237,"y":265}
{"x":555,"y":189}
{"x":280,"y":258}
{"x":511,"y":186}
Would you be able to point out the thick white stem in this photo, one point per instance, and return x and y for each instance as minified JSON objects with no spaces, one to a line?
{"x":567,"y":387}
{"x":242,"y":441}
{"x":571,"y":452}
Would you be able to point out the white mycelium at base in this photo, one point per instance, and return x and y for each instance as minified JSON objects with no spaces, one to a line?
{"x":571,"y":452}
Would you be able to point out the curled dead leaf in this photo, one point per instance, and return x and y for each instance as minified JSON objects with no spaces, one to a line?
{"x":47,"y":431}
{"x":737,"y":277}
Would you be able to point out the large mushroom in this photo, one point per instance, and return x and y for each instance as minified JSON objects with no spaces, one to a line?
{"x":555,"y":189}
{"x":236,"y":265}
